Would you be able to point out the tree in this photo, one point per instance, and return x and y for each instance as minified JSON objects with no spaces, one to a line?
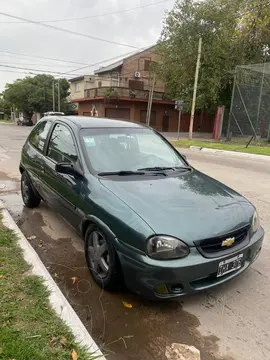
{"x":254,"y":27}
{"x":233,"y":33}
{"x":34,"y":94}
{"x":4,"y":106}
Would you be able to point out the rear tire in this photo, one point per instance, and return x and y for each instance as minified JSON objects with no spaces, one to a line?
{"x":102,"y":260}
{"x":30,"y":197}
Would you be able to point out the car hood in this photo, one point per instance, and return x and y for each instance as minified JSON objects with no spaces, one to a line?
{"x":191,"y":206}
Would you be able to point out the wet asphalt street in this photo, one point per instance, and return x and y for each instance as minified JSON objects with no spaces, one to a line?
{"x":229,"y":322}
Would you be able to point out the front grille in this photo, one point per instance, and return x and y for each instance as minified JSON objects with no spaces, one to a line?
{"x":212,"y":247}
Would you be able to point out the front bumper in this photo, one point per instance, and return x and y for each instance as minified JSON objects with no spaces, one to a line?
{"x":146,"y":276}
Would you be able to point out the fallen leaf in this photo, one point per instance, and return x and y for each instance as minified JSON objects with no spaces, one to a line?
{"x":127,"y":305}
{"x":63,"y":341}
{"x":52,"y":340}
{"x":74,"y":355}
{"x":1,"y":276}
{"x":31,"y":237}
{"x":74,"y":279}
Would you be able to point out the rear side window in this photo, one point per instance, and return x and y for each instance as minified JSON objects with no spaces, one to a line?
{"x":61,"y":146}
{"x":38,"y":136}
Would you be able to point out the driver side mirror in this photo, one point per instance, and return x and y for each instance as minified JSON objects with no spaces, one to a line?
{"x":68,"y":168}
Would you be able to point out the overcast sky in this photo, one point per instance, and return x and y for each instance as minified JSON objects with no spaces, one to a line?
{"x":138,"y":28}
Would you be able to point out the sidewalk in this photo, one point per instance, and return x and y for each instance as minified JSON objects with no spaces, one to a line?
{"x":172,"y":136}
{"x":257,"y":148}
{"x":37,"y":320}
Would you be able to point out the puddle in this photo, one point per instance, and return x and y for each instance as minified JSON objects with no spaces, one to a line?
{"x":140,"y":333}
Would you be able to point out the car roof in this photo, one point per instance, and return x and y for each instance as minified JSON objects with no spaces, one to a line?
{"x":95,"y":122}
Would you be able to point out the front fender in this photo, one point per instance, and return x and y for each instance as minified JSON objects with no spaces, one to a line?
{"x":91,"y":219}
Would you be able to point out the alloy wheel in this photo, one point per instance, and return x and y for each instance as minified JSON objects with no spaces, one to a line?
{"x":98,"y":254}
{"x":25,"y":191}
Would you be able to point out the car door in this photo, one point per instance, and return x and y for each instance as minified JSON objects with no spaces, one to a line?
{"x":32,"y":154}
{"x":63,"y":189}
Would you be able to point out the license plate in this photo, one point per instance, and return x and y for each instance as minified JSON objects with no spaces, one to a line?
{"x":227,"y":266}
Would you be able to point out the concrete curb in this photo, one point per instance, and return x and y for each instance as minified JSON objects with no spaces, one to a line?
{"x":57,"y":299}
{"x":231,"y":153}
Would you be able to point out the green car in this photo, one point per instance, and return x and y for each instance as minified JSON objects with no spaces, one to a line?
{"x":147,"y":217}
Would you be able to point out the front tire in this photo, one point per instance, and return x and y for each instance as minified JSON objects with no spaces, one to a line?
{"x":102,"y":259}
{"x":30,"y":198}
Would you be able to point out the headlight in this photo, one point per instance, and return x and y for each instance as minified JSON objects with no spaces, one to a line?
{"x":255,"y":222}
{"x":166,"y":248}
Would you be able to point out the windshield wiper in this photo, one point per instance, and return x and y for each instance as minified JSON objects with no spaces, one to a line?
{"x":159,"y":168}
{"x":122,"y":173}
{"x":189,"y":168}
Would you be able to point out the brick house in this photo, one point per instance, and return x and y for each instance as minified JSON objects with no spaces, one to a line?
{"x":121,"y":90}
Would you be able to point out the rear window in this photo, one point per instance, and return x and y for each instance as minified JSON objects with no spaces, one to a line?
{"x":39,"y":134}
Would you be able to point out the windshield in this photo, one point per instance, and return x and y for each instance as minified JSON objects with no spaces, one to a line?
{"x":128,"y":149}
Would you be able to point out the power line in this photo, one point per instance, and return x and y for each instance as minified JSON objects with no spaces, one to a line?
{"x":66,"y":61}
{"x":67,"y":31}
{"x":100,"y":62}
{"x":19,"y":72}
{"x":54,"y":72}
{"x":42,"y":57}
{"x":89,"y":17}
{"x":71,"y":72}
{"x":97,"y":77}
{"x":29,"y":69}
{"x":27,"y":64}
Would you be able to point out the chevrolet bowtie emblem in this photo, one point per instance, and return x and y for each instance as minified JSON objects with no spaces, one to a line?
{"x":228,"y":242}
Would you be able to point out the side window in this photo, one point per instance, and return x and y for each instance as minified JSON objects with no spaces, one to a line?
{"x":38,"y":136}
{"x":61,"y":145}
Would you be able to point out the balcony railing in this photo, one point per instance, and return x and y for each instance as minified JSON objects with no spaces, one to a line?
{"x":121,"y":92}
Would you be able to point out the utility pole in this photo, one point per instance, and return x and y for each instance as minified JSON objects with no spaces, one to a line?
{"x":195,"y":89}
{"x":59,"y":104}
{"x":150,"y":101}
{"x":53,"y":95}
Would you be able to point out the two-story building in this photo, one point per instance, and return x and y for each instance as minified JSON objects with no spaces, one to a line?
{"x":80,"y":84}
{"x":121,"y":91}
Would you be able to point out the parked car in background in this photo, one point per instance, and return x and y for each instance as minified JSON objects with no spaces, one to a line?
{"x":23,"y":121}
{"x":145,"y":213}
